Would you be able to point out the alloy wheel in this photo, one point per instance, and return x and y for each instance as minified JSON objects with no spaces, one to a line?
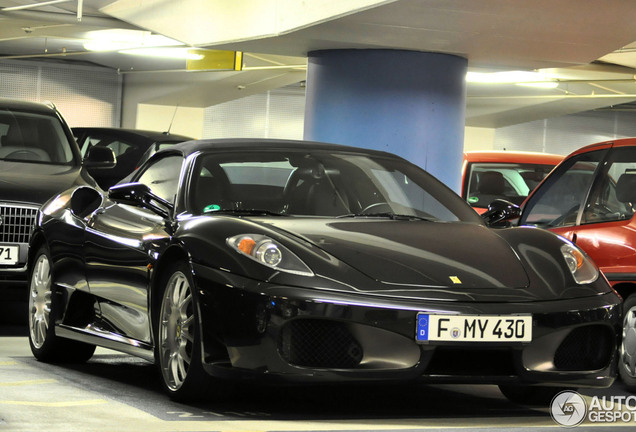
{"x":176,"y":331}
{"x":40,"y":301}
{"x":628,"y":346}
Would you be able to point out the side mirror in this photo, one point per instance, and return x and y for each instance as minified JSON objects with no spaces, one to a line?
{"x":500,"y":211}
{"x":100,"y":158}
{"x":140,"y":195}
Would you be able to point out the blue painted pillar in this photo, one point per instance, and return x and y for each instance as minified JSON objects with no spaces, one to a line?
{"x":405,"y":102}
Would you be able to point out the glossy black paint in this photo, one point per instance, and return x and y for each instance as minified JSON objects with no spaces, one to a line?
{"x":371,"y":278}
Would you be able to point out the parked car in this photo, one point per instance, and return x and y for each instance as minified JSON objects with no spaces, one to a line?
{"x":313,"y":263}
{"x":589,"y":199}
{"x":509,"y":175}
{"x":38,"y":159}
{"x":131,"y":148}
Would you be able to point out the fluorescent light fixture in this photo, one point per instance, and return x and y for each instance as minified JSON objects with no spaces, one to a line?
{"x":522,"y":78}
{"x":173,"y":53}
{"x":118,"y":39}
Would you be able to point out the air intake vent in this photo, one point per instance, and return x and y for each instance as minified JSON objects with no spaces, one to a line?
{"x":319,"y":344}
{"x":585,"y":348}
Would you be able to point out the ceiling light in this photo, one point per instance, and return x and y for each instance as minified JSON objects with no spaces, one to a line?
{"x":523,"y":78}
{"x":173,"y":53}
{"x":119,"y":39}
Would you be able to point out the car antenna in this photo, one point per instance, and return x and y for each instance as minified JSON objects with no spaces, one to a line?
{"x":171,"y":120}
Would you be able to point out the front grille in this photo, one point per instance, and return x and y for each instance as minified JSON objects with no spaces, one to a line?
{"x":585,"y":348}
{"x":16,"y":223}
{"x":319,"y":344}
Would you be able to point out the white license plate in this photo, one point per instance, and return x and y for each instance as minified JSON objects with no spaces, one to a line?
{"x":473,"y":328}
{"x":9,"y":255}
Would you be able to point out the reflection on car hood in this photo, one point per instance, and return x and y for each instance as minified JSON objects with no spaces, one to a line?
{"x":416,"y":253}
{"x":35,"y":183}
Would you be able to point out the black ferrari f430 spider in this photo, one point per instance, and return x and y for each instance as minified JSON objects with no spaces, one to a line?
{"x":311,"y":262}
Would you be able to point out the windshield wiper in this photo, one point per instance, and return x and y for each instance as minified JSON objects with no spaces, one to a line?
{"x":390,"y":215}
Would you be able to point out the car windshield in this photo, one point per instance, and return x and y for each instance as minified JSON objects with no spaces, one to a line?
{"x":33,"y":137}
{"x":321,"y":183}
{"x":510,"y":181}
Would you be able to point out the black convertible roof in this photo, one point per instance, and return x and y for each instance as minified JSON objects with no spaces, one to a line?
{"x":245,"y":144}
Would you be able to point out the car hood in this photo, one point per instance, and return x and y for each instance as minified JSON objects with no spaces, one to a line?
{"x":416,"y":253}
{"x":36,"y":183}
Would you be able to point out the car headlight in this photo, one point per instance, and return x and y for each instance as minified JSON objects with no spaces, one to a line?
{"x":268,"y":252}
{"x":583,"y":269}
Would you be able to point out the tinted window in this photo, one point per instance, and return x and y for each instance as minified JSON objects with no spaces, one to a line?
{"x":558,"y":201}
{"x":162,"y":177}
{"x":117,"y":145}
{"x":34,"y":138}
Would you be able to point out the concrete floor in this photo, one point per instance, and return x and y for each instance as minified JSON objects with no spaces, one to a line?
{"x":115,"y":392}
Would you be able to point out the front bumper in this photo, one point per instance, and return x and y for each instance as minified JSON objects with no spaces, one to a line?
{"x":305,"y":335}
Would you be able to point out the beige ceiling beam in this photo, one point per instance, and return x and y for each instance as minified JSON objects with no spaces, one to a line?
{"x":212,"y":22}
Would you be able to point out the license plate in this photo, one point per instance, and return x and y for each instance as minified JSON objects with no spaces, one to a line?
{"x":473,"y":328}
{"x":9,"y":255}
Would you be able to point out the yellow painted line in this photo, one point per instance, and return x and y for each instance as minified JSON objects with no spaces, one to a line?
{"x":57,"y":404}
{"x":8,"y":363}
{"x":25,"y":383}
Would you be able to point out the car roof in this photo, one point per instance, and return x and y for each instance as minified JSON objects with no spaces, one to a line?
{"x":152,"y":135}
{"x":513,"y":157}
{"x":621,"y":142}
{"x":23,"y":105}
{"x":241,"y":144}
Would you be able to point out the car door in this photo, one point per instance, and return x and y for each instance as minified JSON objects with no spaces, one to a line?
{"x":118,"y":247}
{"x":607,"y":230}
{"x":588,"y":200}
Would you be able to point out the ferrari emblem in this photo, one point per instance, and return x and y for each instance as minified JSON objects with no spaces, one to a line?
{"x":455,"y":280}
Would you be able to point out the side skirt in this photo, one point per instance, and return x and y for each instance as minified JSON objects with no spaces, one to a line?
{"x":96,"y":336}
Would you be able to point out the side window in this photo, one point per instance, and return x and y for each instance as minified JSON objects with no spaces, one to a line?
{"x":118,"y":146}
{"x":559,"y":200}
{"x":614,"y":197}
{"x":162,"y":177}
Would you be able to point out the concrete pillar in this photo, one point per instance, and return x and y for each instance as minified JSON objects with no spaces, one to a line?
{"x":405,"y":102}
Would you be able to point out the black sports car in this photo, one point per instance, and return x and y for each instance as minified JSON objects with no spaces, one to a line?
{"x":315,"y":263}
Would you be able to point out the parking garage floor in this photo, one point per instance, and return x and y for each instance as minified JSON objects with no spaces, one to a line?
{"x":115,"y":392}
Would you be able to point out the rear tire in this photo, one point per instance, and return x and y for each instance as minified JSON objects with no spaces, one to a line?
{"x":627,"y":351}
{"x":178,"y":342}
{"x":529,"y":395}
{"x":44,"y":309}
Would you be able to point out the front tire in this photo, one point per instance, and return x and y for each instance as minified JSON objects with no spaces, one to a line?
{"x":44,"y":308}
{"x":178,"y":337}
{"x":627,"y":352}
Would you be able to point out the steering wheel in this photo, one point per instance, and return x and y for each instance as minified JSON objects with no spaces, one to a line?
{"x":19,"y":154}
{"x":375,"y":207}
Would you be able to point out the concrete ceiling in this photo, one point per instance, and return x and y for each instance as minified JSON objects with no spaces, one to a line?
{"x":587,"y":46}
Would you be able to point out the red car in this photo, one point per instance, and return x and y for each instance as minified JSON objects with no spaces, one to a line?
{"x":489,"y":175}
{"x":590,"y":200}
